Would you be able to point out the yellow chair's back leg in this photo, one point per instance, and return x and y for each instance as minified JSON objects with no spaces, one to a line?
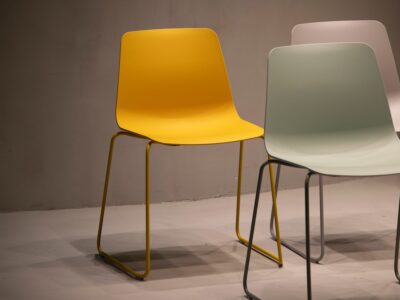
{"x":277,"y":258}
{"x":113,"y":260}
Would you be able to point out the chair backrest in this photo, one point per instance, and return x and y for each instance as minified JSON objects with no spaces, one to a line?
{"x":370,"y":32}
{"x":324,"y":98}
{"x":171,"y":73}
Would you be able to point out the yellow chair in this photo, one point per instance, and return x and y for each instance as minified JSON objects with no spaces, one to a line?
{"x":173,"y":89}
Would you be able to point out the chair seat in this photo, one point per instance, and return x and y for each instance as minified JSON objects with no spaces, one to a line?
{"x":194,"y":130}
{"x":378,"y":158}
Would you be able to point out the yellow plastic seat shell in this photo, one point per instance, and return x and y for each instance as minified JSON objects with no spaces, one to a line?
{"x":173,"y":89}
{"x":191,"y":105}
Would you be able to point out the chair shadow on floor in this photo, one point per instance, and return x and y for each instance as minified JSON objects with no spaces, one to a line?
{"x":171,"y":262}
{"x":182,"y":261}
{"x":214,"y":263}
{"x":356,"y":246}
{"x":393,"y":297}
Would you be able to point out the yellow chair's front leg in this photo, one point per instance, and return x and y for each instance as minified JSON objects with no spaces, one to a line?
{"x":277,"y":258}
{"x":113,"y":260}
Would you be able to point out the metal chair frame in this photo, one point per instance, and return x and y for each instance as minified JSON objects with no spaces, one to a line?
{"x":308,"y":259}
{"x":314,"y":259}
{"x":142,"y":275}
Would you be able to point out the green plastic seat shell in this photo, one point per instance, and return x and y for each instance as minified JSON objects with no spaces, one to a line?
{"x":340,"y":122}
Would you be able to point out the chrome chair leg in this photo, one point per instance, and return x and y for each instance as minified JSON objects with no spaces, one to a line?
{"x":321,"y":222}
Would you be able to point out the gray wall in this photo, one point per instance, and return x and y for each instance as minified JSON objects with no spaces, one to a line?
{"x":58,"y":79}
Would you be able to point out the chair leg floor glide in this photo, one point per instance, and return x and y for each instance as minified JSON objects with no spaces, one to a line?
{"x":111,"y":259}
{"x":274,"y":211}
{"x":314,"y":259}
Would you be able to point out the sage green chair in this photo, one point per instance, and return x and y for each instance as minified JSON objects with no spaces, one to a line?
{"x":374,"y":34}
{"x":327,"y":112}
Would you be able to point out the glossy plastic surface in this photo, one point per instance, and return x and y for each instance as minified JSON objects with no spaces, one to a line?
{"x":327,"y":110}
{"x":173,"y":88}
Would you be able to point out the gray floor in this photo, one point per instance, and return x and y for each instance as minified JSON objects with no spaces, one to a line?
{"x":51,"y":254}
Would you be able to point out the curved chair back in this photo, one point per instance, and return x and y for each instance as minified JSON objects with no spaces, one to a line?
{"x":324,"y":99}
{"x":370,"y":32}
{"x":170,"y":74}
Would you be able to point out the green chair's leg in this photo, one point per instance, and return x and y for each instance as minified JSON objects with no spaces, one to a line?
{"x":250,"y":244}
{"x":284,"y":242}
{"x":278,"y":259}
{"x":396,"y":253}
{"x":113,"y":260}
{"x":307,"y":231}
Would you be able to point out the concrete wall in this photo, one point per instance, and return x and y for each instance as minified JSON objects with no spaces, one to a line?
{"x":59,"y":64}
